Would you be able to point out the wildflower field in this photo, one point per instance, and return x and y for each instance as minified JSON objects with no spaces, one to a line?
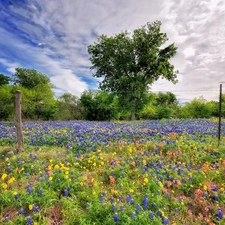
{"x":152,"y":172}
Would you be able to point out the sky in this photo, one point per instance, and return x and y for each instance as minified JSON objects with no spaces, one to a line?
{"x":52,"y":36}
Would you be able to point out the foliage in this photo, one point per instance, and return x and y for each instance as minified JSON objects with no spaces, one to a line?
{"x":99,"y":105}
{"x":4,"y":80}
{"x":6,"y":103}
{"x":129,"y":63}
{"x":197,"y":108}
{"x":69,"y":108}
{"x":29,"y":78}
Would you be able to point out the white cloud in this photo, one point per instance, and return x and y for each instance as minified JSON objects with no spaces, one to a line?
{"x":10,"y":67}
{"x":60,"y":32}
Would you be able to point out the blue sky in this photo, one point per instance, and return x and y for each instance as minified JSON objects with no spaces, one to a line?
{"x":52,"y":36}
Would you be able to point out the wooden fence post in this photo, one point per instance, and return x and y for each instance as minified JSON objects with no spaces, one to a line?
{"x":19,"y":130}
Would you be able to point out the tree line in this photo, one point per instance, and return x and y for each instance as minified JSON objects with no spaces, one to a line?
{"x":39,"y":103}
{"x":128,"y":63}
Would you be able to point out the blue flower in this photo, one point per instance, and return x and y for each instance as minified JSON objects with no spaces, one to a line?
{"x":29,"y":220}
{"x":214,"y":188}
{"x":165,"y":220}
{"x":219,"y":214}
{"x":138,"y":208}
{"x":133,"y":215}
{"x":66,"y":193}
{"x":22,"y":211}
{"x":128,"y":198}
{"x":114,"y":207}
{"x":145,"y":203}
{"x":151,"y":215}
{"x":121,"y":208}
{"x":116,"y":217}
{"x":112,"y":200}
{"x":159,"y":213}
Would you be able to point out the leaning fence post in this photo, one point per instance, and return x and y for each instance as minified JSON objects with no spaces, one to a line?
{"x":220,"y":114}
{"x":19,"y":130}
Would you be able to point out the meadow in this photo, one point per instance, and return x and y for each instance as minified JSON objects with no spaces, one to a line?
{"x":79,"y":172}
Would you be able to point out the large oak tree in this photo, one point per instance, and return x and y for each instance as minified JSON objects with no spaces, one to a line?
{"x":130,"y":62}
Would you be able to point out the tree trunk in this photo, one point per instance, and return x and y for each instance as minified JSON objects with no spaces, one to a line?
{"x":133,"y":109}
{"x":19,"y":131}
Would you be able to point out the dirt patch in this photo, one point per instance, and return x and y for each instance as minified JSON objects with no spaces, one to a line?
{"x":55,"y":216}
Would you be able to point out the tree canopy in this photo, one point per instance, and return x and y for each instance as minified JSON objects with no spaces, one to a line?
{"x":4,"y":80}
{"x":130,"y":62}
{"x":29,"y":78}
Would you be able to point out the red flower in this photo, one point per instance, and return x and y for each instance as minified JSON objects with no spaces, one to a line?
{"x":112,"y":180}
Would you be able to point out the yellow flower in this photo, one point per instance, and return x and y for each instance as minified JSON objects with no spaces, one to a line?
{"x":146,"y":180}
{"x":35,"y":223}
{"x":4,"y":176}
{"x":94,"y":164}
{"x":4,"y":185}
{"x":30,"y":207}
{"x":160,"y":184}
{"x":131,"y":190}
{"x":56,"y":166}
{"x":50,"y":178}
{"x":14,"y":193}
{"x":205,"y":187}
{"x":11,"y":180}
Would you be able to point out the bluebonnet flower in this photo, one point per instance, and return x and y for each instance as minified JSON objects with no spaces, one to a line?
{"x":151,"y":215}
{"x":7,"y":219}
{"x":167,"y":194}
{"x":132,"y":201}
{"x":165,"y":220}
{"x":159,"y":213}
{"x":40,"y":192}
{"x":22,"y":211}
{"x":116,"y":217}
{"x":145,"y":203}
{"x":68,"y":188}
{"x":133,"y":215}
{"x":216,"y":197}
{"x":66,"y":193}
{"x":29,"y":220}
{"x":219,"y":214}
{"x":153,"y":205}
{"x":214,"y":188}
{"x":138,"y":208}
{"x":176,"y":210}
{"x":128,"y":198}
{"x":121,"y":208}
{"x":102,"y":197}
{"x":114,"y":207}
{"x":29,"y":189}
{"x":112,"y":200}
